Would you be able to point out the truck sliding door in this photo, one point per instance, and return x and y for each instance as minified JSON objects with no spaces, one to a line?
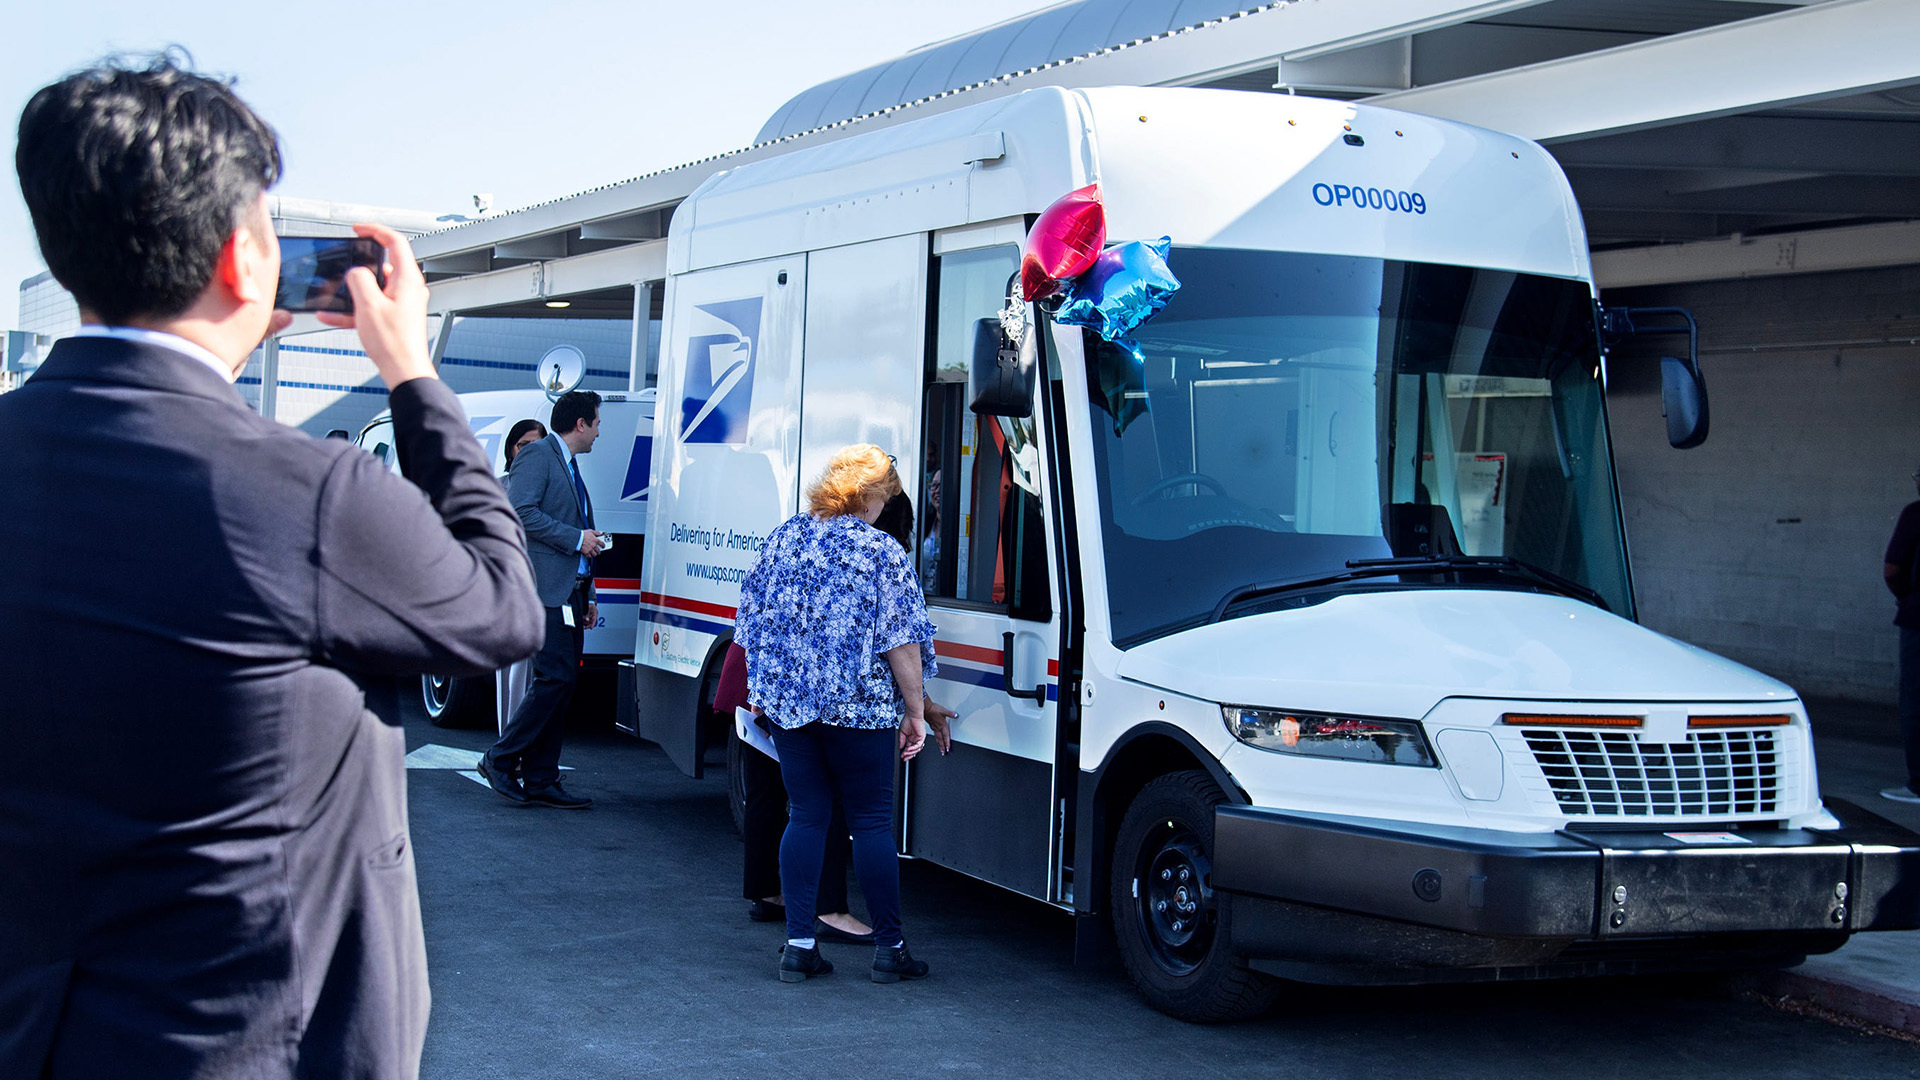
{"x":987,"y":808}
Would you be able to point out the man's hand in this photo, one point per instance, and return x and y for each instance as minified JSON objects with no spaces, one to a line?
{"x":913,"y":736}
{"x":591,"y":543}
{"x":940,"y":723}
{"x":392,"y":322}
{"x":593,"y":614}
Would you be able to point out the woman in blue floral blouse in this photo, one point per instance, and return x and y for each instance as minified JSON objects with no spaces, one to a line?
{"x":836,"y":632}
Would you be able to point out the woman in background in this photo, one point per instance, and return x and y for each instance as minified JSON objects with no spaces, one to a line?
{"x":522,"y":433}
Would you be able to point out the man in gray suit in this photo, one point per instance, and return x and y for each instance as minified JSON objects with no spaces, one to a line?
{"x":545,"y":488}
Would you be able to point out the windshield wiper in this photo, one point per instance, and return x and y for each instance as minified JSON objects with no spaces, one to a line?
{"x":1499,"y":564}
{"x":1366,"y":568}
{"x":1267,"y":588}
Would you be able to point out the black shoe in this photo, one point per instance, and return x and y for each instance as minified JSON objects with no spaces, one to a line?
{"x":826,"y":931}
{"x":892,"y":965}
{"x":555,"y":795}
{"x":503,"y":782}
{"x":799,"y":965}
{"x":762,"y":911}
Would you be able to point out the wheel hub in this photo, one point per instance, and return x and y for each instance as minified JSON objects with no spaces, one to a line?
{"x":1176,"y":900}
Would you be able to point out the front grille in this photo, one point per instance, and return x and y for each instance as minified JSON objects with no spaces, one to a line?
{"x":1613,"y":773}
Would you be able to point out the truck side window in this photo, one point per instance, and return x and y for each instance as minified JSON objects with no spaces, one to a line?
{"x":981,"y":534}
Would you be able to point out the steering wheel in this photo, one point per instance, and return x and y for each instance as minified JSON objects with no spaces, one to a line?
{"x":1175,"y":481}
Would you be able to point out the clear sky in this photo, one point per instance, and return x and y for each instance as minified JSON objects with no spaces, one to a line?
{"x":423,"y":104}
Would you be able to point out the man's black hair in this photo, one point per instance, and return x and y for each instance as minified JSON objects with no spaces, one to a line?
{"x":571,"y":408}
{"x":135,"y":173}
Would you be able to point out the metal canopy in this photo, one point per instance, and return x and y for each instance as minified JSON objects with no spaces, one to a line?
{"x":1678,"y":121}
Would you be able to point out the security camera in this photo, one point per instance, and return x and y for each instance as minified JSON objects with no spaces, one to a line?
{"x":483,"y":202}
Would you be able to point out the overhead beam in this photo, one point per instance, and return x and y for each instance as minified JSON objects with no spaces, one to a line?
{"x":1860,"y":248}
{"x":465,"y":262}
{"x":644,"y":225}
{"x":559,"y":277}
{"x":507,"y":286}
{"x":1889,"y":147}
{"x":1835,"y":197}
{"x":1825,"y":50}
{"x":549,"y":246}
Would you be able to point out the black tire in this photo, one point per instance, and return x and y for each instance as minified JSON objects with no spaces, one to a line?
{"x":1175,"y":936}
{"x":737,"y":781}
{"x":457,"y":702}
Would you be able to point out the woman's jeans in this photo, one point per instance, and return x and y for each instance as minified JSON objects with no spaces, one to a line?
{"x":818,"y":762}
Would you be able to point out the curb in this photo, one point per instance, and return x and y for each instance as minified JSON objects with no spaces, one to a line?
{"x":1852,"y":996}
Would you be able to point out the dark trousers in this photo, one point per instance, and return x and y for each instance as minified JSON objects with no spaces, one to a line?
{"x":1910,"y":703}
{"x":766,"y":822}
{"x":819,"y":763}
{"x":531,"y":742}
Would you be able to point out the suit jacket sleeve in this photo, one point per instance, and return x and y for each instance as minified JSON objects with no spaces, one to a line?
{"x":527,"y":485}
{"x":428,"y":576}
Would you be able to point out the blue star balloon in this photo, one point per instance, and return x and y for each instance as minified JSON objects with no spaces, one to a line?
{"x":1124,"y":287}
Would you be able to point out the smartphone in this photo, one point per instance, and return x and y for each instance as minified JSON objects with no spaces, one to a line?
{"x":313,"y":271}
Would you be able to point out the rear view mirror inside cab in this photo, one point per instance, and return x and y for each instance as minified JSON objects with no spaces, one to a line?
{"x":1001,"y":376}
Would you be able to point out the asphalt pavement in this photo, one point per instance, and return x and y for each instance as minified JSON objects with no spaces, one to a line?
{"x":612,"y":942}
{"x":1874,"y":978}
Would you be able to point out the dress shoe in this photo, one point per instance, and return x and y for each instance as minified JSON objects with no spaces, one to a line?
{"x":503,"y":782}
{"x":799,"y":965}
{"x":826,"y":931}
{"x":762,"y":911}
{"x":1901,"y":794}
{"x":894,"y":964}
{"x":556,"y":796}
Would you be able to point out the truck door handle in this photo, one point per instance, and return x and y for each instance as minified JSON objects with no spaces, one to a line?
{"x":1038,"y":693}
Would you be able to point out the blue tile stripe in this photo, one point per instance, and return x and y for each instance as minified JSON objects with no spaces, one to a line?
{"x":456,"y":361}
{"x":459,"y":361}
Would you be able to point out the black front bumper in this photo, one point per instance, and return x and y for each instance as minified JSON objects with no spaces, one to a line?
{"x":1352,"y":889}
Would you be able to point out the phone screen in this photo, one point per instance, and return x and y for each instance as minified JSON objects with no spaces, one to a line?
{"x":313,"y":272}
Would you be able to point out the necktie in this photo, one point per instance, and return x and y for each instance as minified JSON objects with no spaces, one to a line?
{"x":580,"y":489}
{"x":586,"y":510}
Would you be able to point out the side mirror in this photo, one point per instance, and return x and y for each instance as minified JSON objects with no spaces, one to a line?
{"x":1683,"y":391}
{"x":1001,"y":376}
{"x":1683,"y":401}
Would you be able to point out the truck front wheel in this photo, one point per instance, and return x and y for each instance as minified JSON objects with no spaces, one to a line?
{"x":1174,"y":933}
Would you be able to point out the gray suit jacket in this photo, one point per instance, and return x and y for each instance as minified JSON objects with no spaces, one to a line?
{"x":541,"y":490}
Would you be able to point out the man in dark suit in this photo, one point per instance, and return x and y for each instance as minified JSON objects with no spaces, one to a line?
{"x":551,"y":499}
{"x":204,"y":861}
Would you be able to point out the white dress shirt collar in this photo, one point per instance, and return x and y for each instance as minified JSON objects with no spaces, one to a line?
{"x":163,"y":340}
{"x":566,"y":452}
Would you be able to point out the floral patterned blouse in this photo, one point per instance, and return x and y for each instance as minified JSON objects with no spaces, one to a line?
{"x":822,"y":605}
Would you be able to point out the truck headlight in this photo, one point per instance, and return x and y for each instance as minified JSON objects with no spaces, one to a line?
{"x":1349,"y":738}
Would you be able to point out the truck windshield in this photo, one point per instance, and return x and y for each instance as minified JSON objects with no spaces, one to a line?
{"x":1289,"y":418}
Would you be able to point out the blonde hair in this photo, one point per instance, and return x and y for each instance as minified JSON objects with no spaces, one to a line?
{"x":855,"y":476}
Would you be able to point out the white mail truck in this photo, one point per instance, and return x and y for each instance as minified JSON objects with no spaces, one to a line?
{"x":1294,"y":637}
{"x":616,"y":475}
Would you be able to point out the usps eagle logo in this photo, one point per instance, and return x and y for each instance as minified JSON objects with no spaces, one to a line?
{"x":721,"y":350}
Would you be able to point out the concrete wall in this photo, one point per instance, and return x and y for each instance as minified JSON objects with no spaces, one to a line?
{"x":1765,"y":544}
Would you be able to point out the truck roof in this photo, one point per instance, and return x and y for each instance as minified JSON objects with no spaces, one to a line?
{"x":1215,"y":168}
